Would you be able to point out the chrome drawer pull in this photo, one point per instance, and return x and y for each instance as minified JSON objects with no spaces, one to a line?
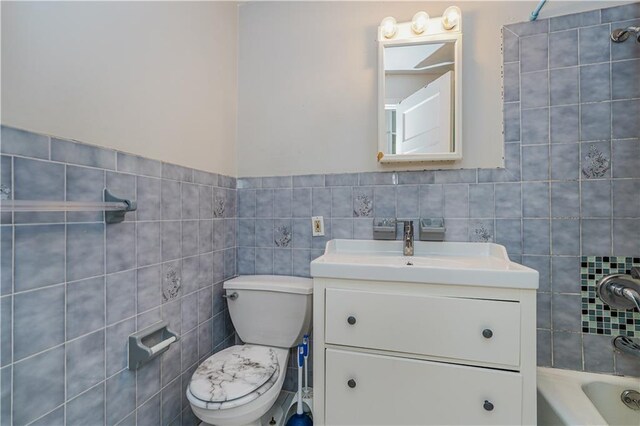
{"x":351,"y":383}
{"x":488,"y":406}
{"x":487,"y":333}
{"x":351,"y":320}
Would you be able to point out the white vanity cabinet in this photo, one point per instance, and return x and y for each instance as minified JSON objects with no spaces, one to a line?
{"x":419,"y":350}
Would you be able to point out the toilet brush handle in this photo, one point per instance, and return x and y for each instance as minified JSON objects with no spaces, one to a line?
{"x":300,"y":364}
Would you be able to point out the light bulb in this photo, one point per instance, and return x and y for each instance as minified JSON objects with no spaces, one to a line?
{"x":419,"y":22}
{"x":451,"y":17}
{"x":389,"y":27}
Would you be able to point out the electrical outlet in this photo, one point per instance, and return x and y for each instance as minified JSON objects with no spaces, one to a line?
{"x":317,"y":226}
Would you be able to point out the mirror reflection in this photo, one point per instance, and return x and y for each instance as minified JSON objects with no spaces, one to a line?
{"x":419,"y":97}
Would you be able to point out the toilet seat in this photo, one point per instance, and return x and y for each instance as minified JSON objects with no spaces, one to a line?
{"x":234,"y":376}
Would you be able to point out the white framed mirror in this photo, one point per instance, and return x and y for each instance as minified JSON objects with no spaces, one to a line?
{"x":419,"y":89}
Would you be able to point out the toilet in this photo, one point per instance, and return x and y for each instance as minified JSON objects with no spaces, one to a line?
{"x":238,"y":385}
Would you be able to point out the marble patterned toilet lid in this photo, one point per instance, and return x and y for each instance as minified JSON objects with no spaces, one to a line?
{"x":233,"y":373}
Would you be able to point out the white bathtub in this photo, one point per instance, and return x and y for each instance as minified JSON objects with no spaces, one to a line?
{"x":575,"y":398}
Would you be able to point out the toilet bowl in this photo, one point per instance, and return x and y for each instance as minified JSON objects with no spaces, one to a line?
{"x":238,"y":385}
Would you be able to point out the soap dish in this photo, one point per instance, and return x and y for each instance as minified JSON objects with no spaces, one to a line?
{"x":432,"y":229}
{"x":384,"y":228}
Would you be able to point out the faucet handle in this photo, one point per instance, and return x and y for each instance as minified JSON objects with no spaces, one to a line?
{"x":406,"y":222}
{"x":408,"y":226}
{"x":635,"y":272}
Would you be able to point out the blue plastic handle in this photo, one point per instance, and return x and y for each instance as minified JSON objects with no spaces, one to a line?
{"x":300,"y":355}
{"x":305,"y":344}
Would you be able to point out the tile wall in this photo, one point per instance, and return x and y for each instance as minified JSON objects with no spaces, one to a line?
{"x":571,"y":185}
{"x":73,"y":288}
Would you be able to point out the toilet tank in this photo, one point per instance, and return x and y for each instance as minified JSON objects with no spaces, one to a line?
{"x":270,"y":310}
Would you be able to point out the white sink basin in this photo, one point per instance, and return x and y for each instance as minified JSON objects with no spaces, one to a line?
{"x":482,"y":264}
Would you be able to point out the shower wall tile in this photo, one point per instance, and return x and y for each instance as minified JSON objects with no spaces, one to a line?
{"x":594,"y":195}
{"x":619,"y":13}
{"x":535,"y":126}
{"x":626,"y":85}
{"x":534,"y":89}
{"x":563,"y":49}
{"x":565,"y":124}
{"x":622,"y":51}
{"x":512,"y":82}
{"x":624,"y":157}
{"x":534,"y":53}
{"x":624,"y":124}
{"x":595,"y":82}
{"x":511,"y":46}
{"x":595,"y":44}
{"x":511,"y":122}
{"x":73,"y":290}
{"x":565,"y":161}
{"x":563,"y":86}
{"x":574,"y":20}
{"x":625,"y":204}
{"x":535,"y":200}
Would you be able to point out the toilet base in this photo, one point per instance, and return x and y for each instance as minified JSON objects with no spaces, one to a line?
{"x":277,"y":412}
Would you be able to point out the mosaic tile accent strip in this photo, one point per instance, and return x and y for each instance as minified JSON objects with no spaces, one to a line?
{"x":598,"y":318}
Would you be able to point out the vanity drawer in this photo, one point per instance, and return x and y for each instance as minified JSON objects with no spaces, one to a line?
{"x":463,"y":329}
{"x":366,"y":389}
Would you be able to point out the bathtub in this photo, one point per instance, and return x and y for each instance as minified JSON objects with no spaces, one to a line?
{"x":568,"y":397}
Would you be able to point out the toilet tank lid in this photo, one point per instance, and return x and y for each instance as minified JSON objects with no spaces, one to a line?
{"x":279,"y":283}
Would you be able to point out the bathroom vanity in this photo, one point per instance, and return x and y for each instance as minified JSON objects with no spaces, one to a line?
{"x":446,"y":336}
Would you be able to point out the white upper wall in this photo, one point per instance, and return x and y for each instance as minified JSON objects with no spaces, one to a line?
{"x":308,"y":81}
{"x":161,"y":79}
{"x":158,"y":79}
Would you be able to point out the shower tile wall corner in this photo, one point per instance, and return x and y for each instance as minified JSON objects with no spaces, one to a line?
{"x":570,"y":186}
{"x":74,"y":288}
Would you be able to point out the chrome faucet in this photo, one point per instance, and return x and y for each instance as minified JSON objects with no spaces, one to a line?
{"x":407,"y":238}
{"x":622,"y":291}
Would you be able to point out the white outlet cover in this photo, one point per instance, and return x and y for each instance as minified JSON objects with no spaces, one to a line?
{"x":317,"y":226}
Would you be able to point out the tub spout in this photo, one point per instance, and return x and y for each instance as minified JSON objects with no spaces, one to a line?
{"x":627,"y":346}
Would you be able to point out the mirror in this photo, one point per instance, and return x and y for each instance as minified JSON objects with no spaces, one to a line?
{"x":420,"y":98}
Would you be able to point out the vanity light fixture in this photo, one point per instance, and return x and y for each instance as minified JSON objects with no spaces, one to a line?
{"x":451,"y":17}
{"x":421,"y":25}
{"x":419,"y":22}
{"x":389,"y":27}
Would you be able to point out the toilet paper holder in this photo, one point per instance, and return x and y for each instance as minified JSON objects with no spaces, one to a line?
{"x":148,"y":343}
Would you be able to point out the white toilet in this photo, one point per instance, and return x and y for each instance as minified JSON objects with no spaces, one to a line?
{"x":238,"y":385}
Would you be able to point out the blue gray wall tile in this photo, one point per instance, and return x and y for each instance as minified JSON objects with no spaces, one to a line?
{"x":74,"y":288}
{"x":77,"y":153}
